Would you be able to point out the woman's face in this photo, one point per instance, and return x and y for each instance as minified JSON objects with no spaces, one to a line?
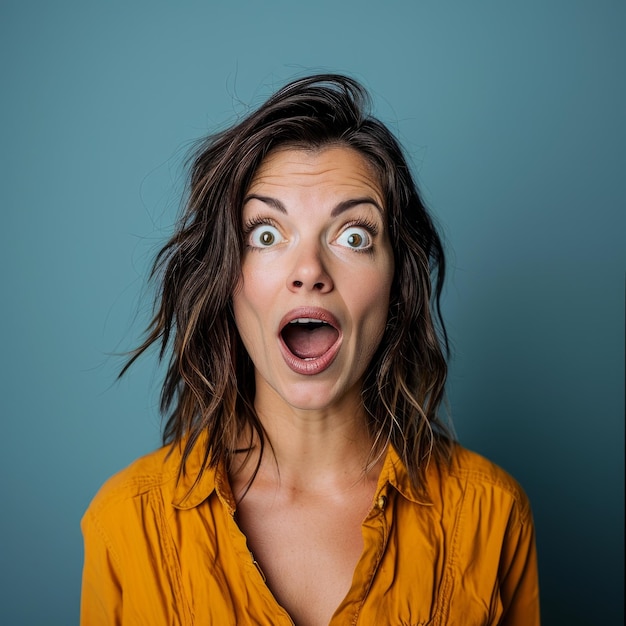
{"x":317,"y":270}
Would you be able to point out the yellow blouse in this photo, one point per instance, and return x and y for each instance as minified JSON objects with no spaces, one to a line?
{"x":158,"y":553}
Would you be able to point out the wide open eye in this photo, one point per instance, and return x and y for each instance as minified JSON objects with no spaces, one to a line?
{"x":264,"y":236}
{"x":355,"y":237}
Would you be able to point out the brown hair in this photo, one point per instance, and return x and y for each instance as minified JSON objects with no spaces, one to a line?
{"x":209,"y":385}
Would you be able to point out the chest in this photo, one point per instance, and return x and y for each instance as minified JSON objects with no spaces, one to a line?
{"x":307,"y":550}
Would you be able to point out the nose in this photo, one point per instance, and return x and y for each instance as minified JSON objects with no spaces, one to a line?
{"x":309,"y":272}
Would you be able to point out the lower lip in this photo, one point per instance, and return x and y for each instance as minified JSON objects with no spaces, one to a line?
{"x":310,"y":367}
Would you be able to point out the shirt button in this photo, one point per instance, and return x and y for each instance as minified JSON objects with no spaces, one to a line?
{"x":381,"y":503}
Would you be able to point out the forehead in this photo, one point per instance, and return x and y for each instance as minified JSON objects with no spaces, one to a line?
{"x":338,"y":169}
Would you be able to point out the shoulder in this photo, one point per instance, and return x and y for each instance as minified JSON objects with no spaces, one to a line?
{"x":147,"y":474}
{"x":478,"y":468}
{"x":483,"y":484}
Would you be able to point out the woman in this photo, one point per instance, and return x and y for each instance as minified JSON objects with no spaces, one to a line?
{"x":306,"y":476}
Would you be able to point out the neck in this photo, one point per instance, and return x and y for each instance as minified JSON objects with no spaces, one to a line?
{"x":311,"y":451}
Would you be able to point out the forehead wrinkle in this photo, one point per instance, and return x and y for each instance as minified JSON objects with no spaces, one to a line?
{"x":294,"y":169}
{"x":304,"y":159}
{"x":359,"y":187}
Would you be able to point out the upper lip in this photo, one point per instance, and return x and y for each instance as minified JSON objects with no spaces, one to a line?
{"x":309,"y":312}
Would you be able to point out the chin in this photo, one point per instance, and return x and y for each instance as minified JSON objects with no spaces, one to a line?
{"x":311,"y":395}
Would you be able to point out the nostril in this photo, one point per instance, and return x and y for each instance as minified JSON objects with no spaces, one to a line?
{"x":318,"y":286}
{"x":297,"y":283}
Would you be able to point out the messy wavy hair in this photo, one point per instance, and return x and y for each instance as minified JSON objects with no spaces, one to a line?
{"x":209,"y":386}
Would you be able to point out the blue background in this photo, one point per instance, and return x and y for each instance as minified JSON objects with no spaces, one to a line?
{"x":513,"y":114}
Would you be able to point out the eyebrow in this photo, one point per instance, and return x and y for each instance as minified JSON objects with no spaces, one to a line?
{"x":340,"y":208}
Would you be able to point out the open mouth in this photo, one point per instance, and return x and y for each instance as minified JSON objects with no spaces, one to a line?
{"x":309,"y":338}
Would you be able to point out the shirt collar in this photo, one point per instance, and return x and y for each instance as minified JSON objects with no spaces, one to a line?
{"x":394,"y":473}
{"x":194,"y":486}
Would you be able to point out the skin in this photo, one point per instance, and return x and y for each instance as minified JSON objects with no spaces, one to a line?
{"x":316,"y":237}
{"x":312,"y":261}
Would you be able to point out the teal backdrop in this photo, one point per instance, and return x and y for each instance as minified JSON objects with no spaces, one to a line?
{"x":514,"y":116}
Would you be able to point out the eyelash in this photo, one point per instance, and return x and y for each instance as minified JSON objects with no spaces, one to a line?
{"x":253,"y":222}
{"x":370,"y":226}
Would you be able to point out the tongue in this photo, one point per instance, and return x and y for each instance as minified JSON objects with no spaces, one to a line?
{"x":309,"y":342}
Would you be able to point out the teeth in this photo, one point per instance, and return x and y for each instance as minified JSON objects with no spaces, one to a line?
{"x":306,"y":320}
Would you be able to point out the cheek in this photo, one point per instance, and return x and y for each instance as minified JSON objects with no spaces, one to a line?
{"x":250,"y":290}
{"x":380,"y":285}
{"x":375,"y":305}
{"x":261,"y":276}
{"x":252,"y":306}
{"x":383,"y":299}
{"x":244,"y":309}
{"x":247,"y":325}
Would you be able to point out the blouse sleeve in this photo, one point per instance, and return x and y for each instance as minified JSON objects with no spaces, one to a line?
{"x":519,"y":586}
{"x":101,"y":595}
